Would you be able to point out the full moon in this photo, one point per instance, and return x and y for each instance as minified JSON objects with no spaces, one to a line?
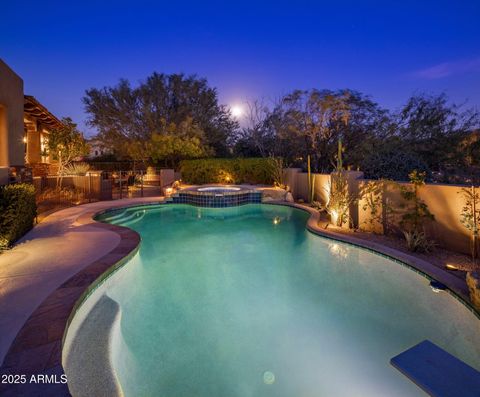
{"x":237,"y":111}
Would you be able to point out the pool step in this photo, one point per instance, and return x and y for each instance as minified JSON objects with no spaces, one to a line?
{"x":437,"y":372}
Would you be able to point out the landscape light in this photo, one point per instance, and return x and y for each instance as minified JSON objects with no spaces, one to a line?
{"x":449,"y":266}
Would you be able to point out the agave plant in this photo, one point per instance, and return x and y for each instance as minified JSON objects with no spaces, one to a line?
{"x":77,"y":169}
{"x":418,"y":241}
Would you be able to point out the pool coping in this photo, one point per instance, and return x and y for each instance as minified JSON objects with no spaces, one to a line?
{"x":37,"y":348}
{"x":454,"y":285}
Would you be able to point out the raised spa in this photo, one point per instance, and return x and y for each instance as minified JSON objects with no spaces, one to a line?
{"x":244,"y":301}
{"x":217,"y":196}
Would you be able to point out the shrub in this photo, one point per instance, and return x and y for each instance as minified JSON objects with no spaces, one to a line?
{"x":17,"y":212}
{"x":339,"y":197}
{"x":417,"y":211}
{"x":418,"y":241}
{"x":239,"y":170}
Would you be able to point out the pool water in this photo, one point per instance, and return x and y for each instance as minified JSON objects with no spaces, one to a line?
{"x":245,"y":301}
{"x":218,"y":189}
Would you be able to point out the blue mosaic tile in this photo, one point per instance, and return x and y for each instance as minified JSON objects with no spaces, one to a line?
{"x":217,"y":200}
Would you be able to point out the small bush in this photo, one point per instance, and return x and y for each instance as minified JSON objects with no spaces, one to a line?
{"x":418,"y":241}
{"x":240,"y":170}
{"x":17,"y":212}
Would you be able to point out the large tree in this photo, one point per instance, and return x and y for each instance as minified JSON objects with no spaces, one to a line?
{"x":312,"y":122}
{"x":437,"y":132}
{"x":126,"y":115}
{"x":177,"y":142}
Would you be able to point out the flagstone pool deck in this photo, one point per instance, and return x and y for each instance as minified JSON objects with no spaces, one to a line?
{"x":43,"y":276}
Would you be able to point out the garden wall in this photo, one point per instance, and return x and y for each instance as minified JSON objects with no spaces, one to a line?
{"x":444,"y":202}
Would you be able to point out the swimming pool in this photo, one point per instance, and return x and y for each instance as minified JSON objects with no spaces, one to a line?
{"x":244,"y":301}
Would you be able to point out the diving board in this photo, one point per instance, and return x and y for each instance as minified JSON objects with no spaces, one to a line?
{"x":437,"y":372}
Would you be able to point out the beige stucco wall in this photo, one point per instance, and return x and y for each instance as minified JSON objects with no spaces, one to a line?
{"x":444,"y":202}
{"x":322,"y":182}
{"x":12,"y":149}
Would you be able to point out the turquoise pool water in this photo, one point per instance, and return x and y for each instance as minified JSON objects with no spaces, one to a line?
{"x":245,"y":301}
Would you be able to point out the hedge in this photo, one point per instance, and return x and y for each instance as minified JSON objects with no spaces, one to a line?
{"x":237,"y":170}
{"x":18,"y":210}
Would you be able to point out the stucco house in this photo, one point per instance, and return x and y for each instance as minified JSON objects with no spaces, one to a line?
{"x":12,"y":145}
{"x":24,"y":128}
{"x":38,"y":123}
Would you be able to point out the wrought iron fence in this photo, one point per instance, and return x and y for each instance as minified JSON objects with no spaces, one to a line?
{"x":54,"y":192}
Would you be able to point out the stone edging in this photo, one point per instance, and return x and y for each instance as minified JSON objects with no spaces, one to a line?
{"x":37,"y":347}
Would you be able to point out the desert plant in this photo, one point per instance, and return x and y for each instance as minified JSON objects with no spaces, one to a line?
{"x":278,"y":172}
{"x":417,"y":211}
{"x":76,"y":169}
{"x":66,"y":143}
{"x":470,"y":217}
{"x":372,"y":194}
{"x":418,"y":241}
{"x":415,"y":214}
{"x":311,"y":182}
{"x":339,"y":198}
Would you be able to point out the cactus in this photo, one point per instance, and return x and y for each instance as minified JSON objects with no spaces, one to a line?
{"x":339,"y":156}
{"x":311,"y":182}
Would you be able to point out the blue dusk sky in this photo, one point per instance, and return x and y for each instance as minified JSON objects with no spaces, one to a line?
{"x":246,"y":49}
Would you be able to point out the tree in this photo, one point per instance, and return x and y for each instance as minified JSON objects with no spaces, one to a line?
{"x":392,"y":160}
{"x":433,"y":129}
{"x":177,"y":142}
{"x":123,"y":113}
{"x":65,"y":144}
{"x":310,"y":123}
{"x":257,"y":138}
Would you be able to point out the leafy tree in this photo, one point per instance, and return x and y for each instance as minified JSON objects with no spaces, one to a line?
{"x":123,"y":113}
{"x":65,"y":144}
{"x":177,"y":142}
{"x":313,"y":122}
{"x":433,"y":129}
